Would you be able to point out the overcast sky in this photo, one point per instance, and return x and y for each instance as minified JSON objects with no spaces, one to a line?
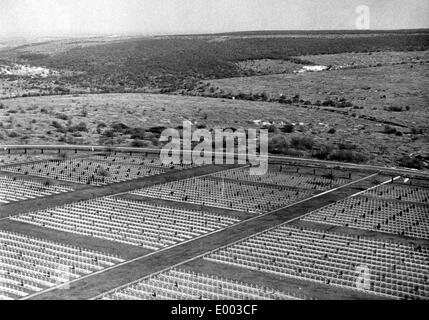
{"x":83,"y":17}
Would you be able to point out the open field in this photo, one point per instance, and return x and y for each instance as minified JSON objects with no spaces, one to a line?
{"x":99,"y":120}
{"x":171,"y":63}
{"x":382,"y":92}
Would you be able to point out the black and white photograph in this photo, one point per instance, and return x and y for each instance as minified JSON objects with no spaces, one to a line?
{"x":219,"y":156}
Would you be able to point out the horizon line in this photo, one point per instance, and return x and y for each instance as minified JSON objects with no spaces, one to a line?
{"x":250,"y":31}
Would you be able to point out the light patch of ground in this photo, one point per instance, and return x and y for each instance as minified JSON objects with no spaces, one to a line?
{"x":26,"y":71}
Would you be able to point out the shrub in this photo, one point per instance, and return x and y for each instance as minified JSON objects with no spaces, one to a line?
{"x":294,"y":153}
{"x":101,"y":125}
{"x":389,"y":130}
{"x":288,"y":128}
{"x":81,"y":127}
{"x":277,"y":145}
{"x":137,"y":133}
{"x":137,"y":143}
{"x":154,"y":141}
{"x":271,"y":128}
{"x":344,"y":104}
{"x":285,"y":100}
{"x":13,"y":134}
{"x":58,"y":126}
{"x":323,"y":152}
{"x":119,"y":127}
{"x":109,"y":133}
{"x":328,"y":103}
{"x":347,"y":146}
{"x":332,"y":131}
{"x":157,"y":130}
{"x":302,"y":143}
{"x":395,"y":109}
{"x":410,"y":162}
{"x":347,"y":156}
{"x":416,"y":130}
{"x":62,"y":116}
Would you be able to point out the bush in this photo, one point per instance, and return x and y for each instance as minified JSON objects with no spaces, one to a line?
{"x":81,"y":127}
{"x":410,"y":162}
{"x":347,"y":156}
{"x":302,"y":143}
{"x":347,"y":146}
{"x":294,"y":153}
{"x":62,"y":116}
{"x":137,"y":133}
{"x":395,"y":109}
{"x":332,"y":131}
{"x":288,"y":128}
{"x":416,"y":130}
{"x":119,"y":127}
{"x":13,"y":134}
{"x":271,"y":128}
{"x":328,"y":103}
{"x":58,"y":126}
{"x":155,"y":141}
{"x":389,"y":130}
{"x":277,"y":145}
{"x":323,"y":152}
{"x":157,"y":130}
{"x":137,"y":143}
{"x":285,"y":100}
